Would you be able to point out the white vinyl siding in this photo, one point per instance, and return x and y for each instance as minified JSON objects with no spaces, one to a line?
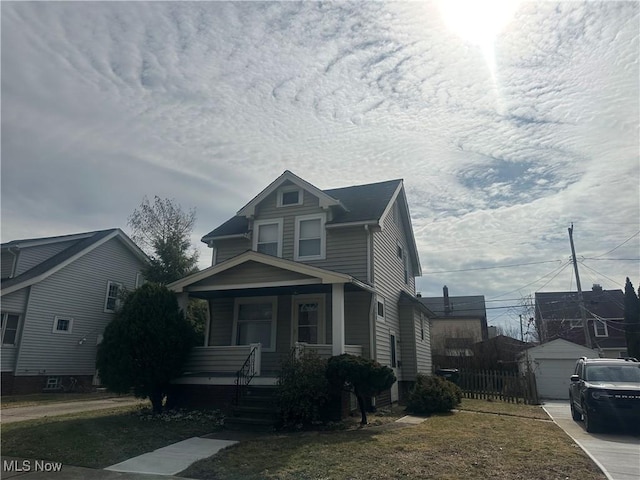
{"x":31,"y":256}
{"x":76,"y":291}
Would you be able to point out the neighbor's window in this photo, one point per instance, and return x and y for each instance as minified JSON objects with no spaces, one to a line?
{"x":62,"y":324}
{"x":111,"y":301}
{"x":53,"y":383}
{"x":9,"y":328}
{"x":255,"y":321}
{"x":600,"y":328}
{"x":309,"y":238}
{"x":267,"y":237}
{"x":392,"y":342}
{"x":288,"y":196}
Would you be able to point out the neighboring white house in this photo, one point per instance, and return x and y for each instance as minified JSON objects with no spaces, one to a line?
{"x":58,"y":295}
{"x":553,"y":364}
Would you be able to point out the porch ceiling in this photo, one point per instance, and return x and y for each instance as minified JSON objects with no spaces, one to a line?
{"x":272,"y":291}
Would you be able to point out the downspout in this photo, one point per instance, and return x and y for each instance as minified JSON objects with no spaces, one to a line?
{"x":372,"y":335}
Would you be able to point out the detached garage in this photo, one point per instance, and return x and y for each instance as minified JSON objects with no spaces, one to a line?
{"x":553,"y":363}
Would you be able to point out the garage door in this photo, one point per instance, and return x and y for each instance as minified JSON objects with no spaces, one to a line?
{"x":552,"y":377}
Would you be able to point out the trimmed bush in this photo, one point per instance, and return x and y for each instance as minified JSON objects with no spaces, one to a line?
{"x":303,"y":390}
{"x":432,"y":394}
{"x":364,"y":377}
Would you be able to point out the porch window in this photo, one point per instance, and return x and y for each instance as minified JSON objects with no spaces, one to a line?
{"x":310,"y":238}
{"x":255,"y":322}
{"x":9,"y":328}
{"x":267,"y":237}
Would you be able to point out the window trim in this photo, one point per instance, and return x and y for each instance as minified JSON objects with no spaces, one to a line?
{"x":3,"y":329}
{"x":323,"y":237}
{"x":256,"y":232}
{"x":595,"y":329}
{"x":56,"y":321}
{"x":274,"y":318}
{"x":291,"y":188}
{"x":107,"y":297}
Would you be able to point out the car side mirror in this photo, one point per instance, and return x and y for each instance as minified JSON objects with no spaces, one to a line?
{"x":575,"y":378}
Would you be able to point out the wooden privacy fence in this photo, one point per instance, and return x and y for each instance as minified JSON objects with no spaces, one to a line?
{"x":504,"y":386}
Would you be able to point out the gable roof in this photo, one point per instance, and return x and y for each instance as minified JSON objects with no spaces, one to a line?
{"x":604,"y":304}
{"x":87,"y":242}
{"x":323,"y":275}
{"x":360,"y":204}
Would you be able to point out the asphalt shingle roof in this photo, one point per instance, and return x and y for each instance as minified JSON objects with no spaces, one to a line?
{"x":362,"y":202}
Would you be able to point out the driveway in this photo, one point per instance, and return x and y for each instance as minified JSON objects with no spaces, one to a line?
{"x":19,"y":414}
{"x":617,"y":454}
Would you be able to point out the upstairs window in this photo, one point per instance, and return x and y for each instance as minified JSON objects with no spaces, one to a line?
{"x":9,"y":328}
{"x":289,"y":196}
{"x":112,"y":301}
{"x":267,"y":237}
{"x":309,"y":238}
{"x":380,"y":313}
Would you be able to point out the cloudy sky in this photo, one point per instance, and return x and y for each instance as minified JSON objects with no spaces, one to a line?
{"x":506,"y":123}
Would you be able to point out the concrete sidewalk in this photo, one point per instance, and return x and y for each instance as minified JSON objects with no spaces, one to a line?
{"x":617,"y":455}
{"x":20,"y":414}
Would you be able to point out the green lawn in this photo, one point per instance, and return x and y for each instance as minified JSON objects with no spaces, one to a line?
{"x":100,"y":438}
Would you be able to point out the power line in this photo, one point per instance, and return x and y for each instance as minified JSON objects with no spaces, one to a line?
{"x":490,"y":268}
{"x":561,"y":267}
{"x":614,"y":249}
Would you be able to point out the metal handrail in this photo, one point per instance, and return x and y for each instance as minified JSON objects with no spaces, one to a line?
{"x":245,"y":375}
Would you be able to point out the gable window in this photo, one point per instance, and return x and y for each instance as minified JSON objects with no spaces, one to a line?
{"x":111,"y":301}
{"x":267,"y":237}
{"x":289,"y":196}
{"x":62,"y":324}
{"x":254,"y":322}
{"x":309,"y":238}
{"x":9,"y":328}
{"x":600,"y":328}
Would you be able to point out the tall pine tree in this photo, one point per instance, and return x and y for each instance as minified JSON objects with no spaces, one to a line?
{"x":632,"y":320}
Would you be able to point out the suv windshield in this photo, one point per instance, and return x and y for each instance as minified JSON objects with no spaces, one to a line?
{"x":613,"y":373}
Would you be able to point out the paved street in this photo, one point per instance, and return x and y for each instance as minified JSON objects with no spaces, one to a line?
{"x":19,"y":414}
{"x":616,"y":453}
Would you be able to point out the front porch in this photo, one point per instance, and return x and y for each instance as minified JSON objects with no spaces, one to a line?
{"x":263,"y":308}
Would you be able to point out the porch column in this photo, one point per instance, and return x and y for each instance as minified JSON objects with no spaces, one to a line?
{"x":337,"y":318}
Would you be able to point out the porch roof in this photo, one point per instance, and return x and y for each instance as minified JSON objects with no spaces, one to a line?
{"x":300,"y":274}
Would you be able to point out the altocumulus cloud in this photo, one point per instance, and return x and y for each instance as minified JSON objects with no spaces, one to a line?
{"x":207,"y":102}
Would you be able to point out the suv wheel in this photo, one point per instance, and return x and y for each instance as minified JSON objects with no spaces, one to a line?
{"x":577,"y":416}
{"x":590,"y":423}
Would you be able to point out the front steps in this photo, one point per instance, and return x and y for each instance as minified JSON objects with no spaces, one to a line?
{"x":256,"y":411}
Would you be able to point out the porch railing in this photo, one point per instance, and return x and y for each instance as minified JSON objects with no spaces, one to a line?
{"x":249,"y":369}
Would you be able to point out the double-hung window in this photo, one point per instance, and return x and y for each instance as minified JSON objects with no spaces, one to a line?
{"x":310,"y":238}
{"x":254,"y":321}
{"x":9,"y":328}
{"x":267,"y":237}
{"x":111,"y":302}
{"x":600,"y":328}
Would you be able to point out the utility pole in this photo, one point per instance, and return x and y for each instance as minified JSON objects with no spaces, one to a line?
{"x":585,"y":325}
{"x":521,"y":331}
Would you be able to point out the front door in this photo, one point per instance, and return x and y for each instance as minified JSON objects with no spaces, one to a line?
{"x":308,"y":320}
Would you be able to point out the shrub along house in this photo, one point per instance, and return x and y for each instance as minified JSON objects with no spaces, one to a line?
{"x":332,"y":271}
